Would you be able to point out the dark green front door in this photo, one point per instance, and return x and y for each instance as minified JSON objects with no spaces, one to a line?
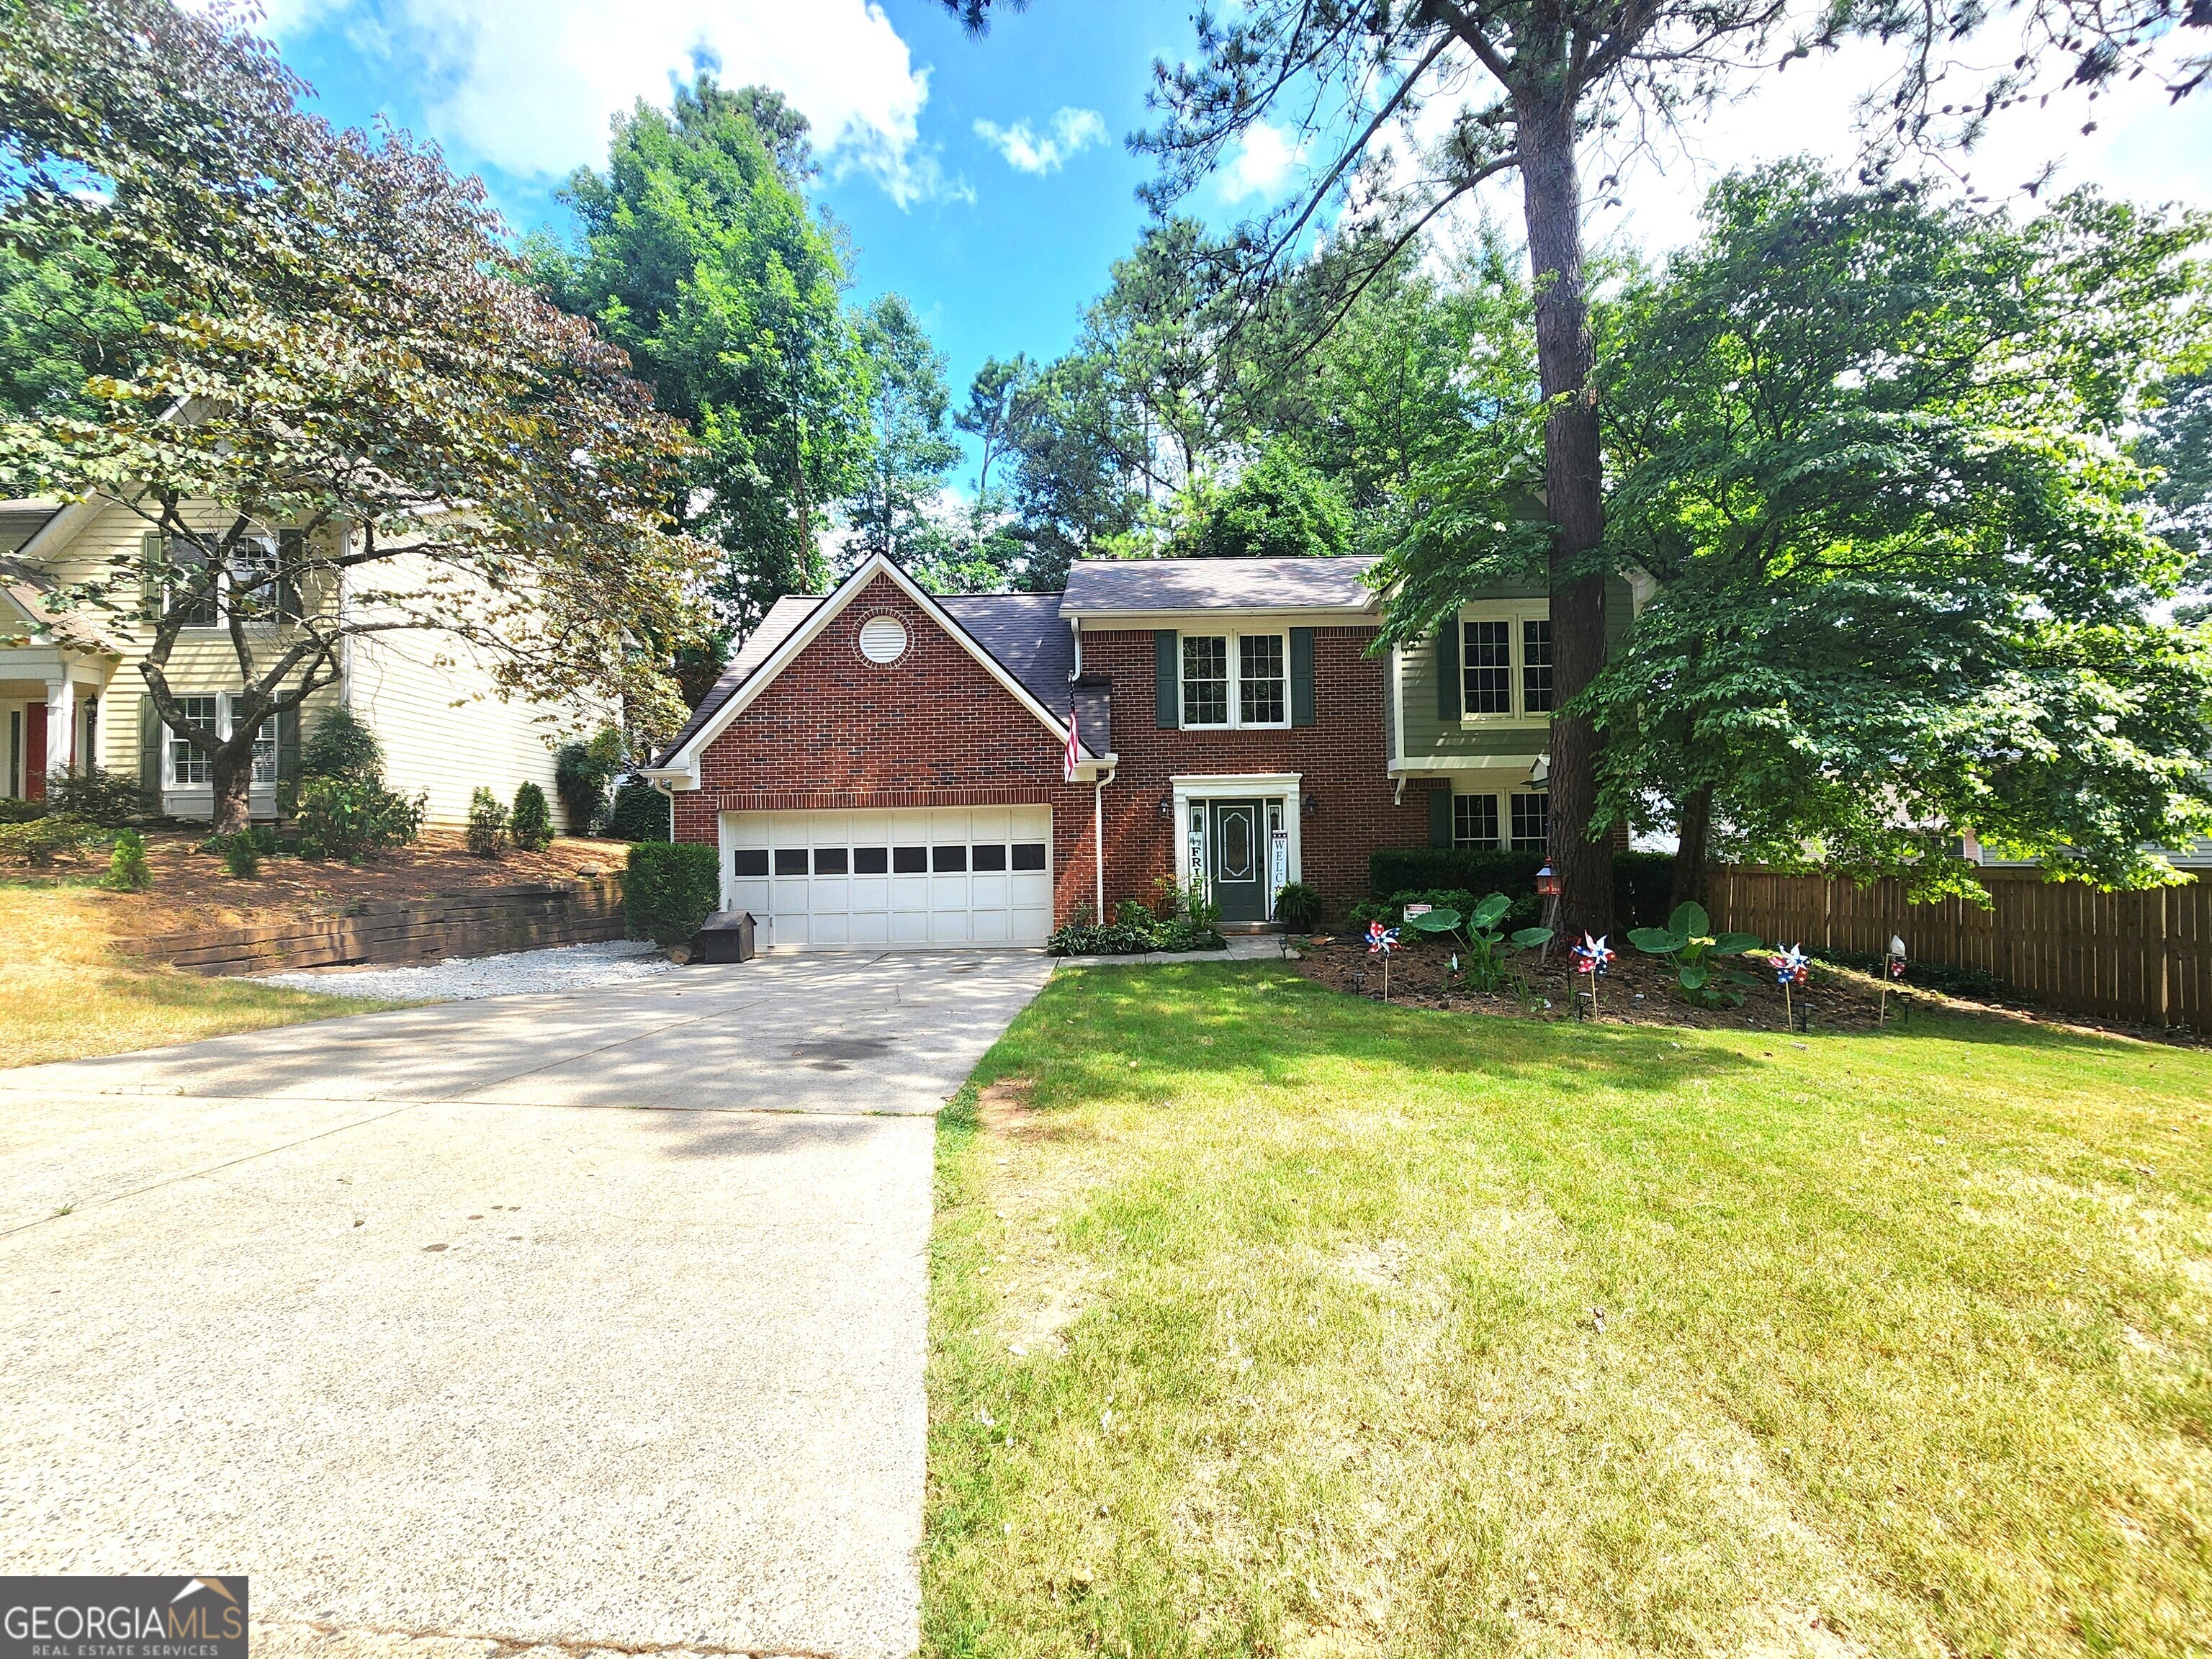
{"x":1237,"y":848}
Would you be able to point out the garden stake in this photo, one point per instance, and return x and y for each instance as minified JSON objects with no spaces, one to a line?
{"x":1789,"y":970}
{"x":1381,"y":941}
{"x":1590,"y":957}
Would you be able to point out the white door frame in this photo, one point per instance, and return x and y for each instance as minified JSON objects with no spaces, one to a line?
{"x":1279,"y":786}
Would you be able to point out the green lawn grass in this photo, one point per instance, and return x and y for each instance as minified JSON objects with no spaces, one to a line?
{"x":1281,"y":1322}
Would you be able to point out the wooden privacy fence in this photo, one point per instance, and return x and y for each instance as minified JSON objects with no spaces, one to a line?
{"x":2139,"y":956}
{"x":482,"y":922}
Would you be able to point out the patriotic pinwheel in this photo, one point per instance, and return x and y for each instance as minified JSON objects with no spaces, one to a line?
{"x":1591,"y":956}
{"x":1896,"y":973}
{"x":1788,"y":961}
{"x":1381,"y":941}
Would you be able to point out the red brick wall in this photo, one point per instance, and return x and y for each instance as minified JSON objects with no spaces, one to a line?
{"x":1341,"y":758}
{"x":937,"y":729}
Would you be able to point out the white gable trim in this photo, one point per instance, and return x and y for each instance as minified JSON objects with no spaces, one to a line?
{"x":681,"y":769}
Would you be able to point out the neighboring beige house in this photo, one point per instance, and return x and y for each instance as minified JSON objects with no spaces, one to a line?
{"x":70,"y":692}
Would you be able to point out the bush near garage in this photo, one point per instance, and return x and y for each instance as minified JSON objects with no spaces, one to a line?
{"x":670,"y":887}
{"x":640,"y":813}
{"x":532,"y":822}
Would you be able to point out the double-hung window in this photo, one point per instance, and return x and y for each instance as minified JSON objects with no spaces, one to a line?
{"x":1205,"y":679}
{"x":1235,"y":679}
{"x":188,"y":767}
{"x":1532,"y":823}
{"x":264,"y":753}
{"x":1475,"y":821}
{"x":1506,"y":666}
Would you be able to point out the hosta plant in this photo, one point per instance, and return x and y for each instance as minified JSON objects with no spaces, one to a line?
{"x":1488,"y":945}
{"x":1697,"y":955}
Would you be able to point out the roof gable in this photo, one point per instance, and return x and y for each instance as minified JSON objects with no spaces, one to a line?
{"x":747,"y":681}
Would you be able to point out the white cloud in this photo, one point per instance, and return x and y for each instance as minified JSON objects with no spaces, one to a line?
{"x":529,"y":85}
{"x":1262,"y":162}
{"x":1072,"y":129}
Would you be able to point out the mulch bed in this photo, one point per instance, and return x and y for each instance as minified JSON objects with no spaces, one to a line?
{"x":193,"y":889}
{"x":1637,"y":989}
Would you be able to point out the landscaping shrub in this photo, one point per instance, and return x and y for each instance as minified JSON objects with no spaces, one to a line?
{"x":582,"y":774}
{"x":342,"y":746}
{"x":106,"y":797}
{"x":1297,"y":905}
{"x":1187,"y":923}
{"x":487,"y":823}
{"x":671,"y":887}
{"x":532,"y":822}
{"x":42,"y":840}
{"x":127,"y":871}
{"x":640,"y":813}
{"x":1396,"y":875}
{"x":12,"y":810}
{"x":241,"y":854}
{"x":354,"y":818}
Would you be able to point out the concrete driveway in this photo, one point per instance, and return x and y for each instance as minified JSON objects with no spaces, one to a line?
{"x":588,"y":1319}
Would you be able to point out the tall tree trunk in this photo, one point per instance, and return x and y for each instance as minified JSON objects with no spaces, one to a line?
{"x":1552,"y":204}
{"x":1693,"y":823}
{"x":231,"y":771}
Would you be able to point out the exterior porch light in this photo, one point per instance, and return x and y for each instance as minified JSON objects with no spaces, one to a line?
{"x":1167,"y":808}
{"x":1310,"y":805}
{"x":1547,"y":884}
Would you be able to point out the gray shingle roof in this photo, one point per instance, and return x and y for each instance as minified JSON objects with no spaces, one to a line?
{"x":1169,"y":585}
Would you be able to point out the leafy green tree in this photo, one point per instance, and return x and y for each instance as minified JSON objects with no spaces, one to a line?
{"x":1073,"y":494}
{"x":701,"y":258}
{"x":64,"y":319}
{"x":1869,"y":444}
{"x":890,"y":509}
{"x":351,"y":364}
{"x":1280,"y":507}
{"x":2177,"y":439}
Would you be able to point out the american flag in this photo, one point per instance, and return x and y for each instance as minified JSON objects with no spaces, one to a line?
{"x":1074,"y":758}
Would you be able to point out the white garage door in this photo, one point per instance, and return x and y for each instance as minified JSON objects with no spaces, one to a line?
{"x":919,"y":877}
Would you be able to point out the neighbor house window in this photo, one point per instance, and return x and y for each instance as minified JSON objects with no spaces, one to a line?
{"x":1262,"y":689}
{"x":264,"y":753}
{"x":1536,"y":666}
{"x":1235,"y":679}
{"x":1532,"y":823}
{"x":188,"y":767}
{"x":1205,"y":679}
{"x":189,"y":597}
{"x":1475,"y":821}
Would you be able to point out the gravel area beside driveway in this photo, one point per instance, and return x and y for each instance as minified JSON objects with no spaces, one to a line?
{"x":466,"y":978}
{"x":405,"y":1317}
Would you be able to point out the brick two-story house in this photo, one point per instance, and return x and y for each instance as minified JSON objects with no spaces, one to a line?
{"x":879,"y":766}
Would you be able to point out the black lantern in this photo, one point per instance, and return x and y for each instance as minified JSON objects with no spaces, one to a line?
{"x":1310,"y":805}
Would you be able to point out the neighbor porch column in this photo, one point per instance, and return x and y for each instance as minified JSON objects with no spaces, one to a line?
{"x":61,"y":725}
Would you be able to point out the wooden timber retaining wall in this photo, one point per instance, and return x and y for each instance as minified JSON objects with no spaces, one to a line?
{"x":2145,"y":957}
{"x":479,"y":922}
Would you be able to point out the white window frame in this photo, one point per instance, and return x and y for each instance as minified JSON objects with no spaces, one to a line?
{"x":1234,"y":639}
{"x":170,"y":741}
{"x":1513,"y":614}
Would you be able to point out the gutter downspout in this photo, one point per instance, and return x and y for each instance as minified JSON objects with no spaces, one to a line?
{"x":660,"y":788}
{"x":1098,"y":837}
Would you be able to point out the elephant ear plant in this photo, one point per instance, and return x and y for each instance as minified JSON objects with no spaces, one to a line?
{"x":1691,"y":948}
{"x":1487,"y":946}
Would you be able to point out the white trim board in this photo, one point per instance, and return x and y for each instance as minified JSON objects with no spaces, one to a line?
{"x":682,"y":770}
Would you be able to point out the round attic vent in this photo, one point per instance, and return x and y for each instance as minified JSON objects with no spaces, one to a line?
{"x":882,"y":639}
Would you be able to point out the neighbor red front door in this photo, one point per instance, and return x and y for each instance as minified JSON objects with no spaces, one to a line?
{"x":34,"y":752}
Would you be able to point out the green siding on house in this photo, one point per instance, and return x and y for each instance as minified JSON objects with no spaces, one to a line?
{"x":1428,"y":736}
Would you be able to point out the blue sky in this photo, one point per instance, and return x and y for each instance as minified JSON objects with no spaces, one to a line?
{"x":988,"y":179}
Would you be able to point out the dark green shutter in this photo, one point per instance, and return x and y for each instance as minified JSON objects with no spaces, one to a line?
{"x":149,"y":753}
{"x":1440,"y":818}
{"x":1448,"y":676}
{"x":1167,"y":705}
{"x":1302,"y":704}
{"x":149,"y":576}
{"x":287,"y":750}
